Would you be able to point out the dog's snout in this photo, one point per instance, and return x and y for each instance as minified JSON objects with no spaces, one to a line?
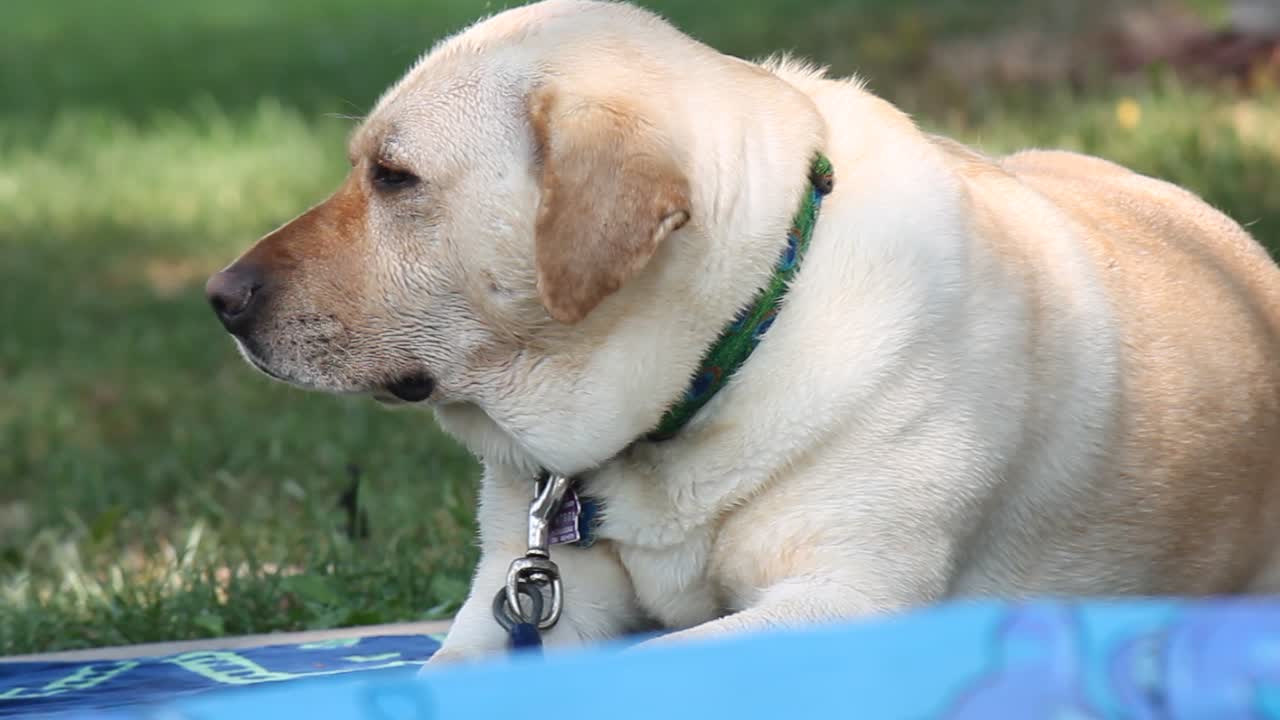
{"x":234,"y":293}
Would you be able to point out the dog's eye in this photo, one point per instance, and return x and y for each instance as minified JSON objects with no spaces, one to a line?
{"x":390,"y":178}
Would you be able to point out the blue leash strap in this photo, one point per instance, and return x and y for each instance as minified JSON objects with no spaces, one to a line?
{"x":522,"y":634}
{"x":525,"y":636}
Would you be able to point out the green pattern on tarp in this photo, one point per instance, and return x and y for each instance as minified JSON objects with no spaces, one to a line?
{"x":230,"y":668}
{"x":736,"y":342}
{"x":330,"y":644}
{"x":81,"y":679}
{"x":371,"y":658}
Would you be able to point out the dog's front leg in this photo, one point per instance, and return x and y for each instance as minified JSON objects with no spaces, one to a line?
{"x":789,"y":604}
{"x":845,"y":535}
{"x":599,"y":602}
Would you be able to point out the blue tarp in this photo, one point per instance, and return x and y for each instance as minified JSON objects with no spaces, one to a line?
{"x":1168,"y":659}
{"x":38,"y":688}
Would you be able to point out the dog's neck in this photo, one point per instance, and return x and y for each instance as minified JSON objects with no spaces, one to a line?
{"x":729,"y":351}
{"x":740,"y":337}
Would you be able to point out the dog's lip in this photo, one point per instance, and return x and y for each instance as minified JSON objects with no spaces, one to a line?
{"x":250,"y":352}
{"x":266,"y":370}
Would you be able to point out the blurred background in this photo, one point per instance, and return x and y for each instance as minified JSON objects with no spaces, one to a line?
{"x":153,"y":487}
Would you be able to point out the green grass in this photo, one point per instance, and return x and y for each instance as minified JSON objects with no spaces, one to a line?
{"x":151,"y":485}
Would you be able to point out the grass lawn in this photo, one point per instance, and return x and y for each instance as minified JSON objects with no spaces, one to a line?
{"x":153,"y":487}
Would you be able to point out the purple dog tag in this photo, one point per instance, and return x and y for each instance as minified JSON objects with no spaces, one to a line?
{"x":564,"y":526}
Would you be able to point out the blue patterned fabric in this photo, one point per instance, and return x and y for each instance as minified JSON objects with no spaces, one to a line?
{"x":44,"y":688}
{"x":1171,"y":660}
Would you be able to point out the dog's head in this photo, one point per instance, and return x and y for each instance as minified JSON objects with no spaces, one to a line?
{"x":508,"y":216}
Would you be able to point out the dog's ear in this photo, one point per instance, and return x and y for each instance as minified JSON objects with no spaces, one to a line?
{"x":611,"y":192}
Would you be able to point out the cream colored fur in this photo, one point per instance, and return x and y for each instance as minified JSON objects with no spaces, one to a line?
{"x":1034,"y":375}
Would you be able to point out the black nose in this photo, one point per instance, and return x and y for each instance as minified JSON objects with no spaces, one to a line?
{"x":233,"y":294}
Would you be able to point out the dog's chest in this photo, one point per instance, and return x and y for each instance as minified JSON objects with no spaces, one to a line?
{"x":674,"y":552}
{"x":673,"y":584}
{"x":703,"y":578}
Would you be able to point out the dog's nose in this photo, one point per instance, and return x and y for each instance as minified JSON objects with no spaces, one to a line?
{"x":233,"y":293}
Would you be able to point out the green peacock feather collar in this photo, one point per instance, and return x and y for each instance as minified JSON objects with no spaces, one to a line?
{"x":735,"y":343}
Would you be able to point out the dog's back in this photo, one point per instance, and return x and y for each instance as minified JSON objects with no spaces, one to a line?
{"x":1195,"y":469}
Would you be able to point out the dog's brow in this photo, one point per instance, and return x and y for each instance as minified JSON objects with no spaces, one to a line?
{"x":389,"y":148}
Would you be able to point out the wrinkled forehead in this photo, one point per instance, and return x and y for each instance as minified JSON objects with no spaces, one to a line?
{"x":441,"y":117}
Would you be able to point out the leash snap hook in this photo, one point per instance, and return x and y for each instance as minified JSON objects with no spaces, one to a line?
{"x":548,"y":493}
{"x":528,"y":576}
{"x":535,"y":575}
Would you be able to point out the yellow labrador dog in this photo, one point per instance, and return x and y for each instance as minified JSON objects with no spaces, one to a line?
{"x":803,"y":361}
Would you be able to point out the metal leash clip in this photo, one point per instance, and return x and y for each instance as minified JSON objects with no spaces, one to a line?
{"x":529,"y":575}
